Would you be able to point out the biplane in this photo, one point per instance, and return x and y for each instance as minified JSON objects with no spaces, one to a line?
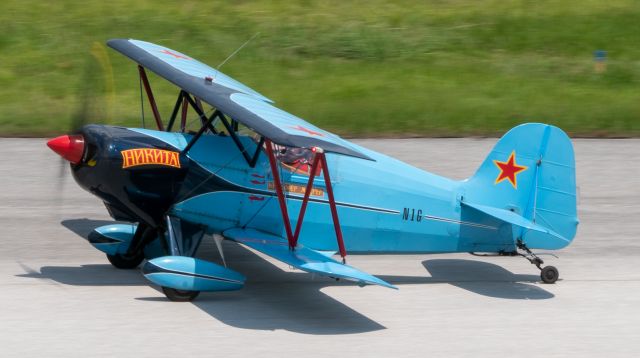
{"x":266,"y":179}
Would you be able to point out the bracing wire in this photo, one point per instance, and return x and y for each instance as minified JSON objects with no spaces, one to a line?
{"x":233,"y":54}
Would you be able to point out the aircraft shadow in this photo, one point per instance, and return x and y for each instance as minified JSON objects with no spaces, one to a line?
{"x":87,"y":275}
{"x":271,"y":299}
{"x":275,"y":299}
{"x":479,"y":277}
{"x":82,"y":227}
{"x":293,"y":304}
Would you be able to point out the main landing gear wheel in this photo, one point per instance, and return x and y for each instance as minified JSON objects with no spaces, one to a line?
{"x":179,"y":295}
{"x":549,"y":274}
{"x":126,"y":262}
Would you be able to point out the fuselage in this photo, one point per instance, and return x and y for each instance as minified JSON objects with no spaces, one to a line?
{"x":384,"y":205}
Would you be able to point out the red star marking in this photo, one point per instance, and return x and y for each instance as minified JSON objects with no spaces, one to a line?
{"x":308,"y":131}
{"x":167,"y":52}
{"x":509,"y":170}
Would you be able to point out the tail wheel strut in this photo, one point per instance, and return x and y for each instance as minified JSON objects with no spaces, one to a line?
{"x":548,"y":274}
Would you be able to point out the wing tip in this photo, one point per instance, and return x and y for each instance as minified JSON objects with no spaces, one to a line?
{"x":382,"y":283}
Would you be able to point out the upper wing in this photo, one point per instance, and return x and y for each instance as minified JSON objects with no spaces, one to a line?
{"x":232,"y":98}
{"x":302,"y":257}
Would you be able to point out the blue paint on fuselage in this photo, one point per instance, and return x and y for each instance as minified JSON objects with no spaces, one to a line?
{"x":384,"y":205}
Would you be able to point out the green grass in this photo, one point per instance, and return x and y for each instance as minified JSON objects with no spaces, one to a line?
{"x":370,"y":68}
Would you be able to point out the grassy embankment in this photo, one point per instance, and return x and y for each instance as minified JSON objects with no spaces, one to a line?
{"x":356,"y":68}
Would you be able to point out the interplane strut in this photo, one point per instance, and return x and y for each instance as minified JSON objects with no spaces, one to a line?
{"x":319,"y":160}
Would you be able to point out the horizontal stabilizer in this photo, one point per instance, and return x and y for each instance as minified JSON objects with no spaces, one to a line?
{"x":303,"y":258}
{"x":513,"y":218}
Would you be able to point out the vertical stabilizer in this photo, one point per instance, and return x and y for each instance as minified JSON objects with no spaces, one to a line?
{"x":531,"y":172}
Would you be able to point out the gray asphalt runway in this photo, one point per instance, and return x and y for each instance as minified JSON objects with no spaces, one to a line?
{"x":60,"y":298}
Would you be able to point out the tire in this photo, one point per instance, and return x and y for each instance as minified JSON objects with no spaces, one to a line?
{"x":125,"y":262}
{"x":179,"y":295}
{"x":549,"y":274}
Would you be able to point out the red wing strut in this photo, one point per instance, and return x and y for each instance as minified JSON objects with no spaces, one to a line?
{"x":152,"y":101}
{"x":318,"y":160}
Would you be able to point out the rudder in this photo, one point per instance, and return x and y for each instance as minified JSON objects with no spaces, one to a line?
{"x":530,"y":172}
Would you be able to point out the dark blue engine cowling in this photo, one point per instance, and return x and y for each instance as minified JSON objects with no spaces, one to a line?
{"x":141,"y":193}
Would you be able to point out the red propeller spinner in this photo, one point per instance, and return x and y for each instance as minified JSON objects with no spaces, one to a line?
{"x":69,"y":147}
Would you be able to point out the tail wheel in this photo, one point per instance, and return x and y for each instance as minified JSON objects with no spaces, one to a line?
{"x":126,"y":262}
{"x":179,"y":295}
{"x":549,"y":274}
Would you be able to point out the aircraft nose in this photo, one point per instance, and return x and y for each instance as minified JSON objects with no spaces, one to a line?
{"x":69,"y":147}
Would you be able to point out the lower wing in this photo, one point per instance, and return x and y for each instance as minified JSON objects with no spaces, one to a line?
{"x":302,"y":258}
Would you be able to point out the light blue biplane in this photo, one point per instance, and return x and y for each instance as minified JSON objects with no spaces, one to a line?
{"x":257,"y":175}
